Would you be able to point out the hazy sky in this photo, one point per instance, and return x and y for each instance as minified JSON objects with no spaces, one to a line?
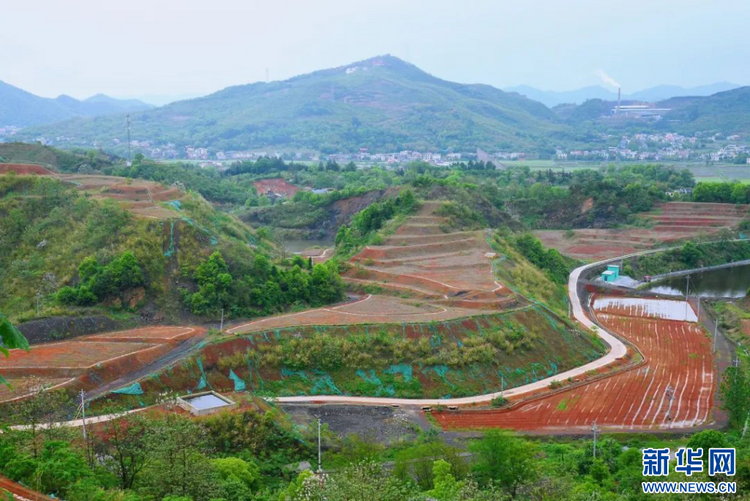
{"x":138,"y":47}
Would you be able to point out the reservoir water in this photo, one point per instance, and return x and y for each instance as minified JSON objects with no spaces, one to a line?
{"x":208,"y":401}
{"x":731,"y":282}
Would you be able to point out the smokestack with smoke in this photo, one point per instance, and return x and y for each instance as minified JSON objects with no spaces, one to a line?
{"x":617,"y":110}
{"x":607,"y":79}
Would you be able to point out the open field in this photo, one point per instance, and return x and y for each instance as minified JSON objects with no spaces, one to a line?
{"x":701,"y":171}
{"x":668,"y":222}
{"x":677,"y":356}
{"x":101,"y":356}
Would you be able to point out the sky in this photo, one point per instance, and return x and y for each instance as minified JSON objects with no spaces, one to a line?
{"x":188,"y":48}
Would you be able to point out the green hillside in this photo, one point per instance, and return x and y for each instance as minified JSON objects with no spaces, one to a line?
{"x":727,"y":112}
{"x":55,"y":159}
{"x":64,"y":252}
{"x":381,"y":103}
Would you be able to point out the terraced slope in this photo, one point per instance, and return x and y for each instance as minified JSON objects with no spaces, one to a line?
{"x":91,"y":361}
{"x":439,"y":327}
{"x":669,"y":222}
{"x":138,"y":196}
{"x":421,"y":274}
{"x":678,"y":362}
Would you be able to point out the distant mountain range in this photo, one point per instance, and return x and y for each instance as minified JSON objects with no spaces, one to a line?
{"x":382,"y":103}
{"x":659,"y":93}
{"x":21,"y":108}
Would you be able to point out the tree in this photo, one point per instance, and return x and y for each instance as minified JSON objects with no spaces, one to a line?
{"x":690,"y":254}
{"x":124,"y":448}
{"x":446,"y":485}
{"x":416,"y":463}
{"x":239,"y":477}
{"x":10,"y":338}
{"x":706,"y":440}
{"x":214,"y":282}
{"x":38,"y":413}
{"x":735,"y":394}
{"x":60,"y":467}
{"x":506,"y":459}
{"x":367,"y":481}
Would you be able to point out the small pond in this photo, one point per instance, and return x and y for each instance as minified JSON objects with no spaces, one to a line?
{"x":731,"y":282}
{"x":209,"y":401}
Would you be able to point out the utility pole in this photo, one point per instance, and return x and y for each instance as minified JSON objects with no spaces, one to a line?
{"x":744,"y":429}
{"x":595,"y":429}
{"x":83,"y":415}
{"x":320,"y":457}
{"x":127,"y":122}
{"x":687,"y":296}
{"x":502,"y":387}
{"x":699,"y":308}
{"x":221,"y":328}
{"x":670,"y":397}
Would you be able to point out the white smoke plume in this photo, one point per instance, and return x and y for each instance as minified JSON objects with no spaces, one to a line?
{"x":607,"y":79}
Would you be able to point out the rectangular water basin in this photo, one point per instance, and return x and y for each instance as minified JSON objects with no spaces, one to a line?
{"x":201,"y":404}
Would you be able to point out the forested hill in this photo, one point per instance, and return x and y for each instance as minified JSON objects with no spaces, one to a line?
{"x":727,"y":112}
{"x":21,"y":108}
{"x":382,"y":103}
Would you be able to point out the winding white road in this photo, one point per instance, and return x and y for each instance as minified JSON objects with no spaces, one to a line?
{"x":616,"y":350}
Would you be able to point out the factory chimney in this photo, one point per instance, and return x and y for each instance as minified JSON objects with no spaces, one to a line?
{"x":617,"y":110}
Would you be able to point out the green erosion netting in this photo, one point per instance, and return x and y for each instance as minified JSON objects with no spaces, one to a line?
{"x":133,"y":389}
{"x":170,"y":250}
{"x":527,"y":345}
{"x":239,"y":384}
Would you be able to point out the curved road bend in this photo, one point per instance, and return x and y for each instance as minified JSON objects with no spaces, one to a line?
{"x":616,"y":350}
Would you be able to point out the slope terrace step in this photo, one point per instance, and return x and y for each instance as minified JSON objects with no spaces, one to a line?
{"x":398,"y":289}
{"x":389,"y":252}
{"x":427,"y":239}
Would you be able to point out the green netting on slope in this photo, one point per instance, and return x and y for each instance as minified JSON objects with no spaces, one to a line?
{"x":203,"y":383}
{"x":370,"y":378}
{"x":253,"y":374}
{"x":175,"y":203}
{"x":170,"y":250}
{"x":441,"y":371}
{"x":239,"y":384}
{"x":290,"y":373}
{"x":324,"y":385}
{"x":133,"y":389}
{"x":404,"y":369}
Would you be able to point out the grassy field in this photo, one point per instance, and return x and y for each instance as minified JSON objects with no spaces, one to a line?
{"x":701,"y":171}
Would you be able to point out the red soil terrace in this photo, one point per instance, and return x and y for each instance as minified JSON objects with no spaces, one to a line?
{"x":25,"y":169}
{"x":418,"y":279}
{"x":672,"y":221}
{"x":89,"y":360}
{"x":276,"y":185}
{"x":678,"y":354}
